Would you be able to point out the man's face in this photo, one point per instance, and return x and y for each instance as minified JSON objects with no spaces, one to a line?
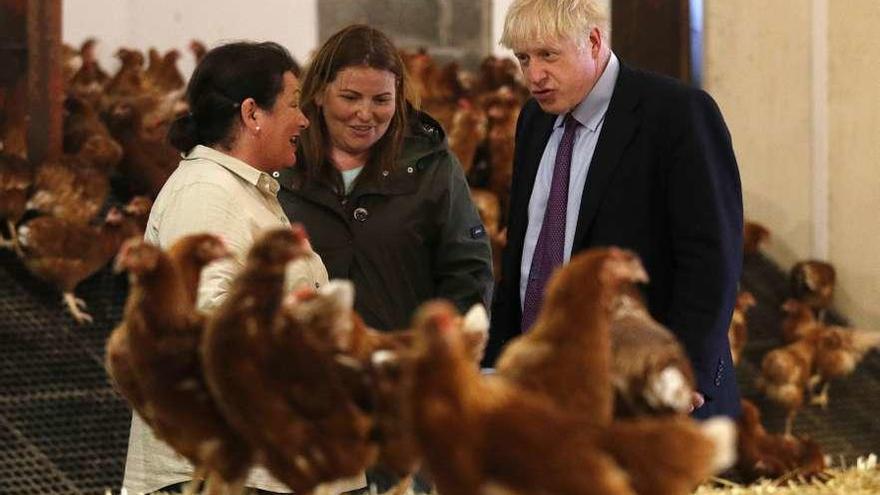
{"x":559,"y":73}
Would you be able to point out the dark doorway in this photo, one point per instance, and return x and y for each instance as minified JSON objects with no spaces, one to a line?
{"x":657,"y":35}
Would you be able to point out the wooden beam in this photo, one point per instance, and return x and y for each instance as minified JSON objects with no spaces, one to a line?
{"x":45,"y":86}
{"x":653,"y":35}
{"x":13,"y":41}
{"x":13,"y":76}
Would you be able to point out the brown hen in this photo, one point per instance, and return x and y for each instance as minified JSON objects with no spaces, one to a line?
{"x":754,"y":236}
{"x":14,"y":118}
{"x":16,"y":178}
{"x":838,"y":352}
{"x":738,"y":331}
{"x":198,"y":49}
{"x":567,"y":353}
{"x":148,"y":160}
{"x":189,"y":255}
{"x":799,"y":321}
{"x":373,"y":365}
{"x":502,"y":108}
{"x":273,"y":384}
{"x":89,"y":79}
{"x":651,"y":372}
{"x":764,"y":455}
{"x":64,"y":253}
{"x":489,"y":207}
{"x":137,"y":211}
{"x":129,"y":79}
{"x":162,"y":74}
{"x":69,"y":189}
{"x":786,"y":373}
{"x":390,"y":378}
{"x":812,"y":282}
{"x":161,"y":332}
{"x":466,"y":132}
{"x":477,"y":432}
{"x":483,"y":432}
{"x":86,"y":135}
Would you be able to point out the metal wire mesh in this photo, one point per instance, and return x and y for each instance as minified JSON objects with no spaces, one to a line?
{"x":62,"y":427}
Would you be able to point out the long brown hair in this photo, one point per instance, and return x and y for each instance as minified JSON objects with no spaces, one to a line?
{"x":353,"y":46}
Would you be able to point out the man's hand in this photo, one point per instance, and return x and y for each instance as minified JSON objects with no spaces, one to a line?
{"x":697,"y":401}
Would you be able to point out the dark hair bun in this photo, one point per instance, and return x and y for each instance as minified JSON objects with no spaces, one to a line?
{"x":184,"y":133}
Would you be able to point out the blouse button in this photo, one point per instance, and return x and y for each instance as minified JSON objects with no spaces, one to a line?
{"x":409,"y":170}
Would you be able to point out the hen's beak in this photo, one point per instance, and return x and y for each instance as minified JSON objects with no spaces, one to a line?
{"x":120,"y":264}
{"x":629,"y":267}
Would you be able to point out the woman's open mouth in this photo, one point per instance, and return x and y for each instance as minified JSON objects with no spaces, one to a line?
{"x":361,"y":130}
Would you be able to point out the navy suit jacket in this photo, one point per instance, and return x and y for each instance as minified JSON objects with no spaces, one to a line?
{"x":663,"y":182}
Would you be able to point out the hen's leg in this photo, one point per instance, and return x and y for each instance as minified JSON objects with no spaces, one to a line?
{"x":192,"y":487}
{"x":12,"y":242}
{"x":16,"y":246}
{"x":214,"y":485}
{"x":822,"y":398}
{"x":8,"y":243}
{"x":813,"y":382}
{"x":76,"y":306}
{"x":789,"y":421}
{"x":236,"y":487}
{"x":402,"y":486}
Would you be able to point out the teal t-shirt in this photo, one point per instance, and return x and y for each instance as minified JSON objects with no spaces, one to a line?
{"x":349,"y":176}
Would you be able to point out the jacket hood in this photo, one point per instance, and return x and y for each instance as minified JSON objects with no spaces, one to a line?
{"x":424,"y":137}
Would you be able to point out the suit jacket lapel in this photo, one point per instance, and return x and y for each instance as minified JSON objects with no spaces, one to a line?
{"x":617,"y":130}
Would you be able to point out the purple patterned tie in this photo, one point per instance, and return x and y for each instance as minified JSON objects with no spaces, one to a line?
{"x":551,"y":241}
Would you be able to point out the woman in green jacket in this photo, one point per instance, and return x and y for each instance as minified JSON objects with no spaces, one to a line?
{"x":384,"y":201}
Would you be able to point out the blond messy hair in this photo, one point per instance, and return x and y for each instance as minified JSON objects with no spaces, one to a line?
{"x":531,"y":21}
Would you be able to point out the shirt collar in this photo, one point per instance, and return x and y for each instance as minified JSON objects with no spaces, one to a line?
{"x":591,"y":110}
{"x":261,"y":180}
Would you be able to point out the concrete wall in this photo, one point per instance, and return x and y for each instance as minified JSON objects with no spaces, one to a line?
{"x":854,"y":156}
{"x":798,"y":85}
{"x":758,"y":69}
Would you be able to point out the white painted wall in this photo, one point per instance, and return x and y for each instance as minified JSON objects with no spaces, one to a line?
{"x":499,"y":9}
{"x":169,"y":24}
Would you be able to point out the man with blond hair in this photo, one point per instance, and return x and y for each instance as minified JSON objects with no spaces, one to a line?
{"x":607,"y":154}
